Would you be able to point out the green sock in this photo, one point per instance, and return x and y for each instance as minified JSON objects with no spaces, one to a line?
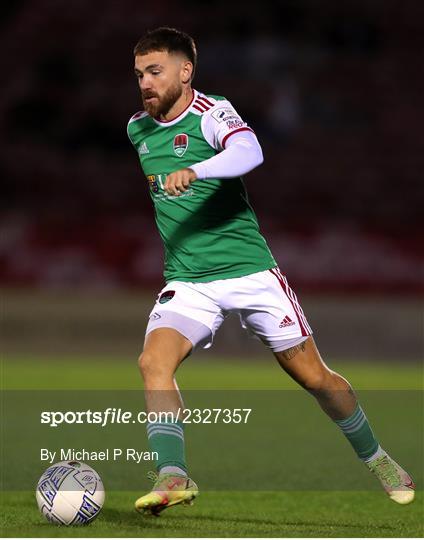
{"x":359,"y":433}
{"x":167,"y":439}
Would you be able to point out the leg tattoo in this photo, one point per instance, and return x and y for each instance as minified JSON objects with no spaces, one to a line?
{"x":288,"y":354}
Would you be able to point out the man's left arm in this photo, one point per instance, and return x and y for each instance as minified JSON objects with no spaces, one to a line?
{"x":241,"y":155}
{"x":238,"y":147}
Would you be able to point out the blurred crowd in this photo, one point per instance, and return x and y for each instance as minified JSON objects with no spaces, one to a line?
{"x":332,"y":90}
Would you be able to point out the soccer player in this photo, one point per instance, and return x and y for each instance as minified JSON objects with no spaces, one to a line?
{"x":194,"y":149}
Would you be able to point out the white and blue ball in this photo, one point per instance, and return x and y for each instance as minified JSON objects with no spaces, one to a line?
{"x":70,"y":493}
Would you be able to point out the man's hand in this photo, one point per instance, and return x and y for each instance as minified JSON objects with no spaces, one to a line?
{"x":179,"y":181}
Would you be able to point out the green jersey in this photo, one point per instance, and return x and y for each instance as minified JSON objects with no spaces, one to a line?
{"x":210,"y":231}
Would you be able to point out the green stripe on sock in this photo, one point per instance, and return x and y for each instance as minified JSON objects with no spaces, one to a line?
{"x":358,"y":432}
{"x":168,"y":441}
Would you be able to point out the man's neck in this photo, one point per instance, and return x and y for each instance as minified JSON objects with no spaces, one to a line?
{"x":179,"y":106}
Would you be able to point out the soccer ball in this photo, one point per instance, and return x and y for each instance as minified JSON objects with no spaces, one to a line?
{"x":70,"y":493}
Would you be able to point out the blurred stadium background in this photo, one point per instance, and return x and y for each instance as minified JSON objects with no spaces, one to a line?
{"x":333,"y":91}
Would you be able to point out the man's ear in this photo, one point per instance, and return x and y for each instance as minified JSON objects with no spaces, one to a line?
{"x":186,"y":71}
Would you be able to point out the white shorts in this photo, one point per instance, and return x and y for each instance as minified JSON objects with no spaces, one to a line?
{"x":267,"y":307}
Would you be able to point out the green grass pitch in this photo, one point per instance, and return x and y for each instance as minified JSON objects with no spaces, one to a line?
{"x":234,"y":514}
{"x":216,"y":514}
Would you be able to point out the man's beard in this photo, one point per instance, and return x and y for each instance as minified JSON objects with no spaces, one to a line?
{"x":164,"y":103}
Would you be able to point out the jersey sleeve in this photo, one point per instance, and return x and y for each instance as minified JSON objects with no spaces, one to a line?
{"x":220,"y":122}
{"x":241,"y":155}
{"x":133,"y":127}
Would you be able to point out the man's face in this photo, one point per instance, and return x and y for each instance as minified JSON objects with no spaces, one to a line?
{"x":160,"y":77}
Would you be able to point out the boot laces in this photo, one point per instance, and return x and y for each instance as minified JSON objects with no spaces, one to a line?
{"x":386,"y":470}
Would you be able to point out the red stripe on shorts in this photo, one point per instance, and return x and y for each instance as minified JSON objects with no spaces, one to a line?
{"x":303,"y":323}
{"x":298,"y":307}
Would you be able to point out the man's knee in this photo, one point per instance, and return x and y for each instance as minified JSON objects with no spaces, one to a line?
{"x":324,"y":380}
{"x":150,"y":365}
{"x":315,"y":380}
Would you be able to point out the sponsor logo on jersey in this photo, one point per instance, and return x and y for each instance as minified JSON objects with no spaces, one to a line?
{"x":142,"y":149}
{"x":234,"y":124}
{"x":155,"y":316}
{"x":154,"y":186}
{"x":224,"y":113}
{"x":180,"y":144}
{"x":286,"y":322}
{"x":166,"y":297}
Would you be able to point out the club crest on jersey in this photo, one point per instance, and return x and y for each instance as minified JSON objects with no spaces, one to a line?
{"x":180,"y":144}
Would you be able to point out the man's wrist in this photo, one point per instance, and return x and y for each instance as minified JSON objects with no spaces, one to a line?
{"x":197,"y":170}
{"x":193,"y":175}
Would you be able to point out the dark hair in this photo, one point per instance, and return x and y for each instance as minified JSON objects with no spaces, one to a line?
{"x":167,"y":39}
